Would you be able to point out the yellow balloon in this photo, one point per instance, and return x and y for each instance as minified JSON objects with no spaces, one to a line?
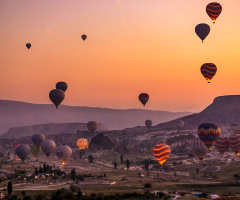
{"x":82,"y":143}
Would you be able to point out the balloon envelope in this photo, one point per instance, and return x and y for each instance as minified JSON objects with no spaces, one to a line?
{"x":208,"y":70}
{"x":222,"y":144}
{"x":57,"y":96}
{"x":235,"y":127}
{"x":213,"y":10}
{"x":63,"y":153}
{"x":82,"y":143}
{"x":148,"y":123}
{"x":92,"y":126}
{"x":37,"y":139}
{"x":62,"y":86}
{"x":180,"y":124}
{"x":28,"y":45}
{"x":234,"y":143}
{"x":84,"y":37}
{"x":35,"y":150}
{"x":143,"y":98}
{"x":198,"y":149}
{"x":202,"y":30}
{"x":161,"y":152}
{"x":208,"y":134}
{"x":48,"y":147}
{"x":22,"y":151}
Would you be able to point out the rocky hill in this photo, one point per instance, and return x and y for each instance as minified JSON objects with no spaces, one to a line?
{"x":18,"y":114}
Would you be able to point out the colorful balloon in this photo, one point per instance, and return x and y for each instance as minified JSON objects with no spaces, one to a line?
{"x":57,"y":96}
{"x":84,"y":37}
{"x":63,"y":153}
{"x":235,"y":127}
{"x":161,"y":152}
{"x":208,"y":134}
{"x":92,"y":126}
{"x":213,"y":10}
{"x":198,"y":149}
{"x":234,"y":143}
{"x":180,"y":124}
{"x":37,"y":139}
{"x":208,"y":70}
{"x":148,"y":123}
{"x":28,"y":45}
{"x":62,"y":86}
{"x":22,"y":151}
{"x":202,"y":31}
{"x":82,"y":143}
{"x":222,"y":144}
{"x":48,"y":147}
{"x":143,"y":98}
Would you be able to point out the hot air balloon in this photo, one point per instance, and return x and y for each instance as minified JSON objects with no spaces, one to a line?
{"x":84,"y":37}
{"x":82,"y":143}
{"x":63,"y":153}
{"x":222,"y":144}
{"x":208,"y":70}
{"x":92,"y":126}
{"x":237,"y":131}
{"x":48,"y":147}
{"x":213,"y":10}
{"x":198,"y":149}
{"x":28,"y":45}
{"x":22,"y":151}
{"x":235,"y":126}
{"x":234,"y":143}
{"x":143,"y":98}
{"x":57,"y":96}
{"x":35,"y":150}
{"x":148,"y":123}
{"x":208,"y":134}
{"x":202,"y":30}
{"x":62,"y":86}
{"x":161,"y":152}
{"x":180,"y":124}
{"x":37,"y":139}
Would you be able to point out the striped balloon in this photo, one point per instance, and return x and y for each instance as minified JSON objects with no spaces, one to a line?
{"x":237,"y":131}
{"x":208,"y":134}
{"x":234,"y":143}
{"x":208,"y":70}
{"x":198,"y":149}
{"x":222,"y":144}
{"x":213,"y":10}
{"x":161,"y":152}
{"x":235,"y":127}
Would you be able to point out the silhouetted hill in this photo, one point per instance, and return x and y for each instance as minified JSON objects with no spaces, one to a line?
{"x":18,"y":114}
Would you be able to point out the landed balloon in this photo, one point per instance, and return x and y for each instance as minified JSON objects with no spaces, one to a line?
{"x":222,"y":144}
{"x":208,"y":70}
{"x":234,"y":143}
{"x":208,"y":134}
{"x":84,"y":37}
{"x":28,"y":45}
{"x":37,"y":139}
{"x":199,"y":149}
{"x":35,"y":150}
{"x":213,"y":10}
{"x":180,"y":124}
{"x":48,"y":147}
{"x":64,"y":153}
{"x":92,"y":126}
{"x":82,"y":143}
{"x":143,"y":98}
{"x":161,"y":152}
{"x":235,"y":127}
{"x":57,"y":96}
{"x":22,"y":151}
{"x":148,"y":123}
{"x":62,"y":86}
{"x":202,"y":31}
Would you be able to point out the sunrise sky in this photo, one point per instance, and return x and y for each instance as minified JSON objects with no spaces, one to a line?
{"x":133,"y":46}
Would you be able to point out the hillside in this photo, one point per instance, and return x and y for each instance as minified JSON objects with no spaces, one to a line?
{"x":18,"y":114}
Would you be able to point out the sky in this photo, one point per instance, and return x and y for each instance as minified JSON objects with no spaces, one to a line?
{"x":132,"y":47}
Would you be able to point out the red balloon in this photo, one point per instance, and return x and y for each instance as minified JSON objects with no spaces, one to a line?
{"x":143,"y":98}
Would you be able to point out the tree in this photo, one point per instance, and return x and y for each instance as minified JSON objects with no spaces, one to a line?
{"x":115,"y":165}
{"x":40,"y":170}
{"x":44,"y":168}
{"x":90,"y":159}
{"x":146,"y":165}
{"x":23,"y":192}
{"x":73,"y":174}
{"x":9,"y":188}
{"x":36,"y":171}
{"x":121,"y":158}
{"x":127,"y":164}
{"x":48,"y":168}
